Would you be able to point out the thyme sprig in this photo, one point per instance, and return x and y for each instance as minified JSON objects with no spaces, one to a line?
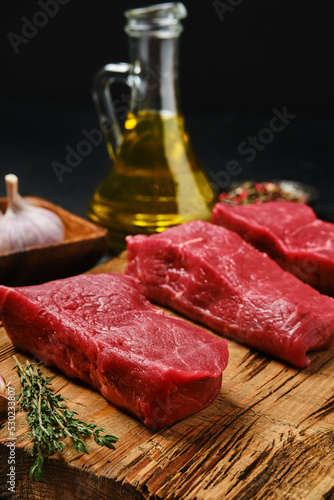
{"x":49,"y":420}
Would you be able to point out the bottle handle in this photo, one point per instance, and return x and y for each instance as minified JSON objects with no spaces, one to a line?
{"x":105,"y":105}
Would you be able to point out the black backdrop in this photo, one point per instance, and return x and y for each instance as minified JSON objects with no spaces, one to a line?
{"x":235,"y":54}
{"x":239,"y":60}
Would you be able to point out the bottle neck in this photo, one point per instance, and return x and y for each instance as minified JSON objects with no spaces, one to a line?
{"x":154,"y":74}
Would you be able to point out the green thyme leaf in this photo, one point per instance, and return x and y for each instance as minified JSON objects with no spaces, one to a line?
{"x":49,"y":420}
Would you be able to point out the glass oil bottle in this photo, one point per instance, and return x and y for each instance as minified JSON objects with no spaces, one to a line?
{"x":155,"y":180}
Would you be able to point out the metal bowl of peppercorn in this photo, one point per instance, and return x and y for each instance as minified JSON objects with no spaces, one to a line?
{"x":245,"y":192}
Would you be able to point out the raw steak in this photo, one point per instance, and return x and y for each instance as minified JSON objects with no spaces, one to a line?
{"x":290,"y":233}
{"x":99,"y":328}
{"x":211,"y":275}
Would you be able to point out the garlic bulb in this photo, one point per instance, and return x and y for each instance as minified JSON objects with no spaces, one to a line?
{"x":24,"y":225}
{"x":3,"y":395}
{"x":3,"y":386}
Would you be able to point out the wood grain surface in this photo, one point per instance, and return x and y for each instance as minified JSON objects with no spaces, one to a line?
{"x":269,"y":434}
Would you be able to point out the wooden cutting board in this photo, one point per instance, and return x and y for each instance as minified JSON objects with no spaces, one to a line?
{"x":269,"y":434}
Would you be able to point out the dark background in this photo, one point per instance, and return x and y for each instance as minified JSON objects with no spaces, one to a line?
{"x":238,"y":61}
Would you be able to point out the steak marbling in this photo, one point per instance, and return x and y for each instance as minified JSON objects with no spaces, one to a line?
{"x":99,"y":328}
{"x":290,"y":233}
{"x":211,"y":275}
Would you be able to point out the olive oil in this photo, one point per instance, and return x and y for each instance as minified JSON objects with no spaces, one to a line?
{"x":155,"y":181}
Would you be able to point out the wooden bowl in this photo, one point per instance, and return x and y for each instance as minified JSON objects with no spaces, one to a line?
{"x":84,"y":244}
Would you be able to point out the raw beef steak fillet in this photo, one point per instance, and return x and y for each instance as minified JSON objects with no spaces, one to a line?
{"x":99,"y":328}
{"x":290,"y":233}
{"x":211,"y":275}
